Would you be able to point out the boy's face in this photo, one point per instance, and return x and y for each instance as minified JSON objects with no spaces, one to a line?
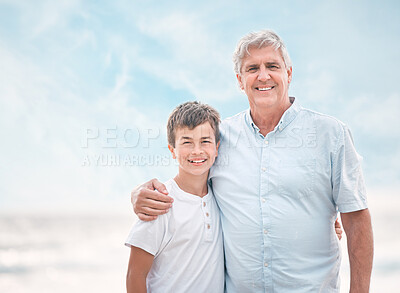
{"x":195,"y":149}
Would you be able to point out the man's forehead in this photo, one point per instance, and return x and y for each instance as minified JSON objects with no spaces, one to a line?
{"x":266,"y":53}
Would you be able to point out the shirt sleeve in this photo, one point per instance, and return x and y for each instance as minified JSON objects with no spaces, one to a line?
{"x":347,"y":177}
{"x":150,"y":236}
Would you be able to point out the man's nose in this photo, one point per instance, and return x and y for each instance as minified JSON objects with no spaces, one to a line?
{"x":263,"y":75}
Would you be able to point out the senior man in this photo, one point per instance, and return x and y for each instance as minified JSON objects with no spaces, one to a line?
{"x":282,"y":174}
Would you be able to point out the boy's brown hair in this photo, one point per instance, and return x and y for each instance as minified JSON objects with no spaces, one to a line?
{"x":191,"y":115}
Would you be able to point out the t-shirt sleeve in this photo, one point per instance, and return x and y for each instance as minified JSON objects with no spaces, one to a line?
{"x":150,"y":236}
{"x":347,"y":177}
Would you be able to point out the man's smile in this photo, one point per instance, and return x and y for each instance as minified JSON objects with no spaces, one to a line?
{"x":264,"y":88}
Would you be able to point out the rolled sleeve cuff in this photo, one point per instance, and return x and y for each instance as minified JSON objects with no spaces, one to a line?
{"x":353,"y":206}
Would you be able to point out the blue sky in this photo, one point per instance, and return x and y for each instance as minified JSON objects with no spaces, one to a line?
{"x":86,"y":87}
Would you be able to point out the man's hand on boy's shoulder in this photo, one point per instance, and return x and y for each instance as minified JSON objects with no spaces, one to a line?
{"x":150,"y":200}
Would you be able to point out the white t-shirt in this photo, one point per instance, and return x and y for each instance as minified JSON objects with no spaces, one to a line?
{"x":186,"y":244}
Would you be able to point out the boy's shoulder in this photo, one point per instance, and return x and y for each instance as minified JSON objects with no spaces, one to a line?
{"x":180,"y":195}
{"x":172,"y":188}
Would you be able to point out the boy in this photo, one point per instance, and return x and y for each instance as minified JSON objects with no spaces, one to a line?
{"x":182,"y":251}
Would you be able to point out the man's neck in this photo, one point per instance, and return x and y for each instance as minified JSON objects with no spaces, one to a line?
{"x":267,"y":118}
{"x":193,"y":184}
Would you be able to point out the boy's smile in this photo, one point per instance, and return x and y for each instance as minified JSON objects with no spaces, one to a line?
{"x":195,"y":149}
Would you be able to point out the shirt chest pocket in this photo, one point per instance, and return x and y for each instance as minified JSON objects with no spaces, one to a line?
{"x":297,"y":177}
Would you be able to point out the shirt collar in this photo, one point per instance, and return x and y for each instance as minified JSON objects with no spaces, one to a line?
{"x":287,"y":117}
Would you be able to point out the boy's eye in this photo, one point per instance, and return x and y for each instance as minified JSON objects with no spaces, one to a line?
{"x":206,"y":141}
{"x":186,"y":142}
{"x":252,"y":69}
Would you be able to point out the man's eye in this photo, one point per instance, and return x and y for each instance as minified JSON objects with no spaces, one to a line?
{"x":186,"y":142}
{"x":252,"y":69}
{"x":206,"y":141}
{"x":273,"y":67}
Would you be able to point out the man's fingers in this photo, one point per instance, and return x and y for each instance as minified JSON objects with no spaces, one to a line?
{"x":156,"y":196}
{"x":155,"y":204}
{"x":338,"y":229}
{"x":154,"y":212}
{"x":145,"y":217}
{"x":339,"y":233}
{"x":155,"y":184}
{"x":337,"y":224}
{"x":147,"y":201}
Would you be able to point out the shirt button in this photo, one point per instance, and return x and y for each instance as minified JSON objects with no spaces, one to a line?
{"x":265,"y":231}
{"x":207,"y":214}
{"x":204,"y":204}
{"x":264,"y":169}
{"x":266,"y":142}
{"x":263,"y":200}
{"x":208,"y":226}
{"x":265,"y":264}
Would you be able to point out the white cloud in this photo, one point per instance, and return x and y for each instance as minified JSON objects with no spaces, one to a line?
{"x":197,"y":59}
{"x":375,"y":115}
{"x":42,"y":121}
{"x":50,"y":92}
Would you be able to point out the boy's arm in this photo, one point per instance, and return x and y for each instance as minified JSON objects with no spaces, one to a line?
{"x":140,"y":263}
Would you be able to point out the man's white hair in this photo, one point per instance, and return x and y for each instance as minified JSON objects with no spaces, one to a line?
{"x":260,"y":39}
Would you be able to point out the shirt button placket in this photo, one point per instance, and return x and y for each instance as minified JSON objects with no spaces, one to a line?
{"x":266,"y":147}
{"x":207,"y":220}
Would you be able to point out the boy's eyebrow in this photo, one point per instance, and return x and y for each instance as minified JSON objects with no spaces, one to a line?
{"x":190,"y":138}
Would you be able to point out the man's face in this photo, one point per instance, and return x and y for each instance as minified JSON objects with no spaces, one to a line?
{"x":265,"y":78}
{"x":195,"y":149}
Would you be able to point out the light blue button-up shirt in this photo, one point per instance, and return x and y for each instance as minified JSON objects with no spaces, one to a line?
{"x":279,"y":196}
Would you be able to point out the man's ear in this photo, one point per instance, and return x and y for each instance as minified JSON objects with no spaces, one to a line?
{"x":289,"y":73}
{"x":172,"y":150}
{"x":217,"y":149}
{"x":239,"y":78}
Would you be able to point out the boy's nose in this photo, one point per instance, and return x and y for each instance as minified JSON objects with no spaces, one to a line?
{"x":197,"y":149}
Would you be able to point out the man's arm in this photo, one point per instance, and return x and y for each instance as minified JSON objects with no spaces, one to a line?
{"x":360,"y":246}
{"x":150,"y":200}
{"x":139,"y":266}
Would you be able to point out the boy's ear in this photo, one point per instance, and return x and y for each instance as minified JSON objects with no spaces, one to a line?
{"x":172,"y":150}
{"x":217,"y":149}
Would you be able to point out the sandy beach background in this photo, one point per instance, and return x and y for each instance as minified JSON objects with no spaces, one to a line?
{"x":85,"y":253}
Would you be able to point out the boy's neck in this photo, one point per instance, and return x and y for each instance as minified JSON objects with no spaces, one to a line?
{"x":193,"y":184}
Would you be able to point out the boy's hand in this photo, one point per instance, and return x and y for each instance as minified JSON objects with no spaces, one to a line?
{"x":338,"y":229}
{"x":150,"y":200}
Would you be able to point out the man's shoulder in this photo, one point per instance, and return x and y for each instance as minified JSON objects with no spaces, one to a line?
{"x":234,"y":119}
{"x":321,"y":119}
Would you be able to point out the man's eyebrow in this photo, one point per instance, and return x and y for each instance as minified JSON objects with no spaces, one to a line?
{"x":251,"y":65}
{"x":205,"y":137}
{"x":186,"y":137}
{"x":272,"y":63}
